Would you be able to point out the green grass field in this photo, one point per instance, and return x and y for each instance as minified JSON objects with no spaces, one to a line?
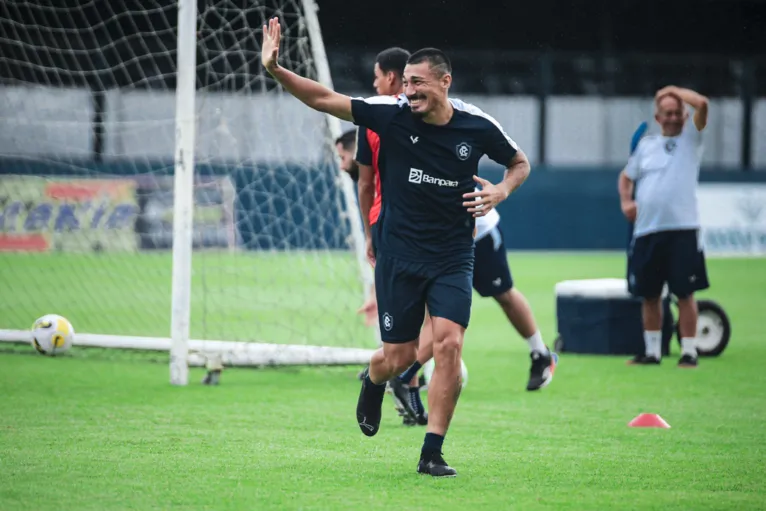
{"x":90,"y":433}
{"x":236,"y":297}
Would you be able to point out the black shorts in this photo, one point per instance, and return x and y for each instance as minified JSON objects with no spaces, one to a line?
{"x":672,"y":257}
{"x":491,"y":273}
{"x":404,"y":288}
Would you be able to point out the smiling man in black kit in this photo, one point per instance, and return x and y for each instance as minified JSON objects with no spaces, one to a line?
{"x":430,"y":150}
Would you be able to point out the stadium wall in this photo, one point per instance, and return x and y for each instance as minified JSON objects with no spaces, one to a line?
{"x":257,"y":207}
{"x":592,"y":131}
{"x":568,"y":208}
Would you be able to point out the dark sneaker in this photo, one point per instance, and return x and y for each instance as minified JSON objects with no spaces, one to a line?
{"x":434,"y":465}
{"x":401,"y":393}
{"x":643,"y":360}
{"x":369,"y":407}
{"x":687,"y":361}
{"x":418,"y":420}
{"x":541,"y":370}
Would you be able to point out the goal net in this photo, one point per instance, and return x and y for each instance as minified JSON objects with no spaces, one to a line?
{"x":88,"y":138}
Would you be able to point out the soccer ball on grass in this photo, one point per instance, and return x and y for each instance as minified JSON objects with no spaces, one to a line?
{"x":52,"y":334}
{"x":428,"y":370}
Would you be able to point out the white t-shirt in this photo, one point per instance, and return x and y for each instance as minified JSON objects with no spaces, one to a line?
{"x":486,"y":223}
{"x":666,"y":173}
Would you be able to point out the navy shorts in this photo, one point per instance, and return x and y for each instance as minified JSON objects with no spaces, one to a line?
{"x":672,"y":257}
{"x":405,"y":288}
{"x":491,"y":273}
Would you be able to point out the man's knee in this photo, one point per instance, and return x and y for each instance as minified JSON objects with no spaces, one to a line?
{"x":652,"y":301}
{"x":687,"y":303}
{"x":401,"y":356}
{"x":685,"y":299}
{"x":449,"y":338}
{"x":505,"y":298}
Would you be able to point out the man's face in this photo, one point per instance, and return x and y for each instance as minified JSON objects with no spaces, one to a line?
{"x":347,"y":163}
{"x":671,"y":115}
{"x":384,"y":83}
{"x":423,"y":88}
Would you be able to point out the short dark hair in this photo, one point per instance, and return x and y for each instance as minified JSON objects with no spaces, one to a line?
{"x":393,"y":60}
{"x":347,"y":140}
{"x":437,"y":60}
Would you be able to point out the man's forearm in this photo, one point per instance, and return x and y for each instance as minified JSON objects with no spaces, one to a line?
{"x":515,"y":175}
{"x":366,"y":191}
{"x":311,"y":93}
{"x":689,"y":96}
{"x":625,"y":188}
{"x":366,"y":198}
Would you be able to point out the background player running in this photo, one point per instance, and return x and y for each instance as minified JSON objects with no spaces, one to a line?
{"x":389,"y":74}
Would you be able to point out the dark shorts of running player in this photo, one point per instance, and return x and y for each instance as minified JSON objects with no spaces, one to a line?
{"x":672,"y":257}
{"x":404,"y":288}
{"x":491,"y":273}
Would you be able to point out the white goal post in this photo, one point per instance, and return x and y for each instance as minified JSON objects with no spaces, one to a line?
{"x":250,"y":250}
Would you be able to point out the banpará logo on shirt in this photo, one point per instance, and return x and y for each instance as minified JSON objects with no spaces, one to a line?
{"x":417,"y":176}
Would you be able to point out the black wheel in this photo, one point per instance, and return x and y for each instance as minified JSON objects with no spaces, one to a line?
{"x":713,"y":329}
{"x":558,"y":344}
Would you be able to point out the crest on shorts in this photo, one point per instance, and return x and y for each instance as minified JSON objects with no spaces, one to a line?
{"x":388,"y":322}
{"x":670,"y":146}
{"x":463,"y":151}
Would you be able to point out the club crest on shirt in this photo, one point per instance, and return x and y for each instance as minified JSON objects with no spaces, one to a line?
{"x":670,"y":146}
{"x":463,"y":151}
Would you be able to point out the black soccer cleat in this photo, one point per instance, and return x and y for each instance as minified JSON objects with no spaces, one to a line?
{"x":407,"y":419}
{"x":401,"y":393}
{"x":419,"y":420}
{"x":434,"y":465}
{"x":541,"y":370}
{"x":369,"y":407}
{"x":644,"y":360}
{"x":687,"y":361}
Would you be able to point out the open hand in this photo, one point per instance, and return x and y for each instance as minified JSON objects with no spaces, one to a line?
{"x":270,"y":46}
{"x":370,"y":310}
{"x":485,"y":199}
{"x":670,"y":89}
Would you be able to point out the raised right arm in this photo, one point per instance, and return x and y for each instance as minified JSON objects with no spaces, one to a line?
{"x":314,"y":94}
{"x":311,"y":93}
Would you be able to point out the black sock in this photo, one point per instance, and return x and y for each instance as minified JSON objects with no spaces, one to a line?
{"x":432,"y":444}
{"x":415,"y":401}
{"x":407,"y":375}
{"x":378,"y":387}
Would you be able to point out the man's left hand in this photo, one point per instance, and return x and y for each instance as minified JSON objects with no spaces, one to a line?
{"x":484,"y":200}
